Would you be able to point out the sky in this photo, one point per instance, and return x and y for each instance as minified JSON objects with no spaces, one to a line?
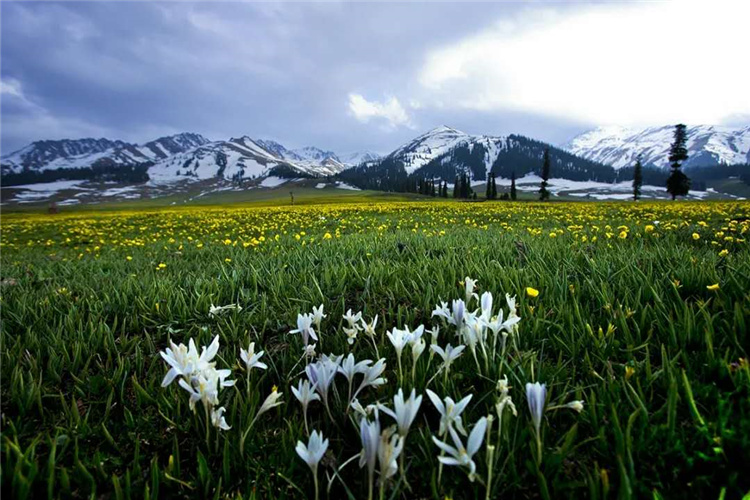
{"x":354,"y":76}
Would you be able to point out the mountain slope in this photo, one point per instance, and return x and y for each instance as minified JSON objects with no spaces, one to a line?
{"x":620,"y":146}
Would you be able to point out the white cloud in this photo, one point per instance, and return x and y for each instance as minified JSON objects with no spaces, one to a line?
{"x":644,"y":63}
{"x":389,"y":111}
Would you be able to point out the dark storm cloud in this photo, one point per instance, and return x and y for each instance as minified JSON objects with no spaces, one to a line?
{"x":283,"y":71}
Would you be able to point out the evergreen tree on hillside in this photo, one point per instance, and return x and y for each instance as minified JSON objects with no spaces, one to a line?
{"x":513,"y":186}
{"x":456,"y":187}
{"x":445,"y":189}
{"x":678,"y":184}
{"x":637,"y":178}
{"x":543,"y":192}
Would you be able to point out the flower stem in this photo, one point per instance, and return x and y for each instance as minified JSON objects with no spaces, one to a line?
{"x":315,"y":480}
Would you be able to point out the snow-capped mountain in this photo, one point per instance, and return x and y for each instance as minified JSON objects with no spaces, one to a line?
{"x":310,"y":155}
{"x":237,"y":158}
{"x":178,"y":157}
{"x":444,"y":152}
{"x":429,"y":146}
{"x":86,"y":153}
{"x":358,"y":157}
{"x":620,"y":146}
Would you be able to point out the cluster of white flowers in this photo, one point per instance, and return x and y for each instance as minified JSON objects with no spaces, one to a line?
{"x":198,"y":376}
{"x":483,"y":330}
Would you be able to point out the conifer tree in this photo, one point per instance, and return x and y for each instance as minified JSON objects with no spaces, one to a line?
{"x":513,"y":186}
{"x":678,"y":184}
{"x":456,"y":187}
{"x":637,"y":178}
{"x":543,"y":192}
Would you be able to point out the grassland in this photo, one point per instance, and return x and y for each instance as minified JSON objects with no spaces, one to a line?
{"x":640,"y":311}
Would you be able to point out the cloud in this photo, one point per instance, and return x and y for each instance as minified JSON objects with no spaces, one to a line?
{"x":24,"y":117}
{"x":644,"y":63}
{"x":390,"y":111}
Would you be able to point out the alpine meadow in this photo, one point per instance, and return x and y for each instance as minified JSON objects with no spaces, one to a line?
{"x":374,"y":251}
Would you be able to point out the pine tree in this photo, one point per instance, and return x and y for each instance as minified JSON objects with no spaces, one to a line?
{"x":488,"y":191}
{"x":445,"y":189}
{"x":543,"y":192}
{"x":456,"y":187}
{"x":513,"y":186}
{"x":637,"y":178}
{"x":678,"y":184}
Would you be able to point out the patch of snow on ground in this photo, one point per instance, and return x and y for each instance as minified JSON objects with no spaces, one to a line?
{"x":273,"y":181}
{"x":343,"y":185}
{"x":320,"y":185}
{"x":48,"y":186}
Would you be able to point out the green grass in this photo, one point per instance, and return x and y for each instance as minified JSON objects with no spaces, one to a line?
{"x":627,"y":325}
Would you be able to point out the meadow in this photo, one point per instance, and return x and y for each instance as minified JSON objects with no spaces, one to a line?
{"x":605,"y":351}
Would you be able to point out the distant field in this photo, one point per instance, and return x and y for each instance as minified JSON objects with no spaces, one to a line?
{"x":634,"y":316}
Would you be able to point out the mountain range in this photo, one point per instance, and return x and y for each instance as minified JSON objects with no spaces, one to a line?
{"x":603,"y":155}
{"x":620,"y":146}
{"x":182,"y":156}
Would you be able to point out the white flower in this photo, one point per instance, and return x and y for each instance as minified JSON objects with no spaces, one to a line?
{"x":309,"y":351}
{"x":349,"y":367}
{"x":575,"y":405}
{"x":364,"y":411}
{"x":457,"y":313}
{"x":469,"y":286}
{"x":183,"y":361}
{"x":373,"y":375}
{"x":497,"y":324}
{"x":505,"y":399}
{"x":314,"y":451}
{"x":218,"y":420}
{"x":204,"y":386}
{"x":434,"y":334}
{"x":536,"y":394}
{"x":321,"y":374}
{"x":273,"y":400}
{"x":304,"y":327}
{"x":251,"y":358}
{"x":449,"y":354}
{"x":369,"y":433}
{"x":351,"y":334}
{"x":389,"y":448}
{"x":417,"y":348}
{"x":442,"y":310}
{"x":486,"y":303}
{"x":458,"y":453}
{"x":318,"y":316}
{"x":511,"y":301}
{"x":216,"y":310}
{"x":305,"y":393}
{"x":404,"y":411}
{"x":352,"y":319}
{"x":450,"y":412}
{"x":369,"y":328}
{"x":399,"y":339}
